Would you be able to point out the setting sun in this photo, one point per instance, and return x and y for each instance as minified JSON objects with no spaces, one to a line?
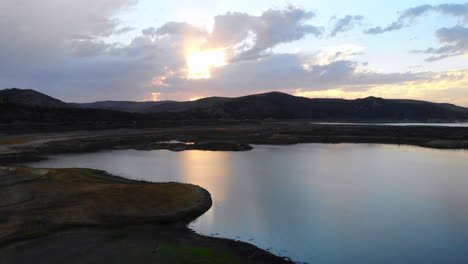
{"x":199,"y":64}
{"x":195,"y":98}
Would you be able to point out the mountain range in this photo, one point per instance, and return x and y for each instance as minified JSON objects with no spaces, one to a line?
{"x":258,"y":106}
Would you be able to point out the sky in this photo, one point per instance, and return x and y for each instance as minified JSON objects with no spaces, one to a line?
{"x":91,"y":50}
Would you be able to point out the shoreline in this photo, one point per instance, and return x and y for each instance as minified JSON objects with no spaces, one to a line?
{"x":165,"y":219}
{"x":19,"y":148}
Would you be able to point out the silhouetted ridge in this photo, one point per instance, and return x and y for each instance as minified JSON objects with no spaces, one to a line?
{"x":25,"y":106}
{"x":285,"y":106}
{"x":29,"y":97}
{"x":126,"y":106}
{"x":258,"y":106}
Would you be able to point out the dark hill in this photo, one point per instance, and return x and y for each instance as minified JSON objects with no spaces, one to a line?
{"x":24,"y":114}
{"x":126,"y":106}
{"x":29,"y":98}
{"x":284,"y":106}
{"x":29,"y":105}
{"x":26,"y":106}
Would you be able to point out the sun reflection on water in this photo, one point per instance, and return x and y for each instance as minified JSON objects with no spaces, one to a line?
{"x":209,"y":169}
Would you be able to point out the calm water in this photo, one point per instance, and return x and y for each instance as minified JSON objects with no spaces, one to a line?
{"x":319,"y":203}
{"x":399,"y":124}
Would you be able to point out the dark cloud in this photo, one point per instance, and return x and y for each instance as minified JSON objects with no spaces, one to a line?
{"x":344,"y":24}
{"x":455,"y":40}
{"x":42,"y":40}
{"x":63,"y":49}
{"x":285,"y":72}
{"x":65,"y":53}
{"x":458,"y":10}
{"x":269,"y":29}
{"x":37,"y":33}
{"x":88,"y":48}
{"x":408,"y":16}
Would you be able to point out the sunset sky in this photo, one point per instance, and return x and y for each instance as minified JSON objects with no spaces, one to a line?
{"x":89,"y":50}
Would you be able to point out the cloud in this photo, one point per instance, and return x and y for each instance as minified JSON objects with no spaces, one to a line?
{"x":344,"y":24}
{"x":45,"y":44}
{"x":408,"y":16}
{"x":63,"y":49}
{"x":458,"y":10}
{"x":455,"y":40}
{"x":66,"y":52}
{"x":123,"y":30}
{"x":271,"y":28}
{"x":331,"y":54}
{"x":450,"y":86}
{"x":88,"y":48}
{"x":285,"y":72}
{"x":39,"y":36}
{"x":180,"y":29}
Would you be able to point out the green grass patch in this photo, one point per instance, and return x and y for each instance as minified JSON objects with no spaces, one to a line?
{"x":190,"y":255}
{"x":85,"y":172}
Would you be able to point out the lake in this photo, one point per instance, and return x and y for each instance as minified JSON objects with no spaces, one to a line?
{"x":399,"y":124}
{"x":319,"y":203}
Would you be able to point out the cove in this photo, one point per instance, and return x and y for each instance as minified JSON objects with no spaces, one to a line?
{"x":318,"y":203}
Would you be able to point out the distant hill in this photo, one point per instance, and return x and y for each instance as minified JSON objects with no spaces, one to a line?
{"x":29,"y":97}
{"x":284,"y":106}
{"x":24,"y":106}
{"x":10,"y":113}
{"x":125,"y":106}
{"x":17,"y":104}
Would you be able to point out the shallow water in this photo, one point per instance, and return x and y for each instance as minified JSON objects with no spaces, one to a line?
{"x":465,"y":124}
{"x":319,"y":203}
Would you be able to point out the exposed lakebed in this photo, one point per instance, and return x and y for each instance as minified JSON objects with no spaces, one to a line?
{"x":318,"y":203}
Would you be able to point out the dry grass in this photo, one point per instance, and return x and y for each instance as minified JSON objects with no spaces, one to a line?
{"x":14,"y":141}
{"x":75,"y":197}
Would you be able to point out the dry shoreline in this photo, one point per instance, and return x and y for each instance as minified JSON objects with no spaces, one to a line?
{"x":45,"y":209}
{"x":18,"y":148}
{"x":171,"y":226}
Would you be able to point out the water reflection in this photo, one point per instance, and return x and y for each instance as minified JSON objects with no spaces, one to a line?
{"x":320,"y":203}
{"x":210,"y":170}
{"x":459,"y":124}
{"x":206,"y":168}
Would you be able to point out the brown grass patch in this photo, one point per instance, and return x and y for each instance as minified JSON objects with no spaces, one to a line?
{"x":13,"y":141}
{"x":65,"y":197}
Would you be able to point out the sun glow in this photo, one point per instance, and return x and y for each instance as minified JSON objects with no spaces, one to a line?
{"x":155,"y":96}
{"x":199,"y":64}
{"x":195,"y":98}
{"x":450,"y":86}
